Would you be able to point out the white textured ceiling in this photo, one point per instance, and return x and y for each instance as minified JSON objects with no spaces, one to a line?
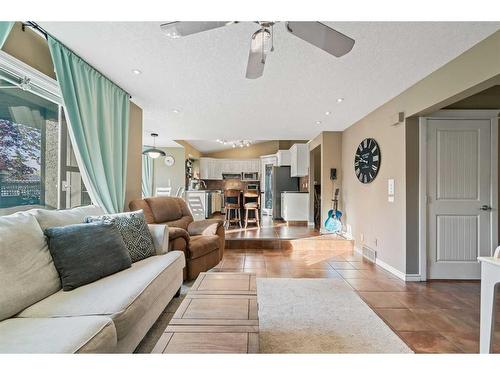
{"x":203,"y":75}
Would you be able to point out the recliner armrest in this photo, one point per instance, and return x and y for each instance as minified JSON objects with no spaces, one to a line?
{"x":207,"y":227}
{"x":175,"y":232}
{"x":160,"y":234}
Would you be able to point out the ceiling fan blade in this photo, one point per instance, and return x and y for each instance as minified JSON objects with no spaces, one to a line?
{"x":184,"y":28}
{"x":322,"y":36}
{"x":257,"y":55}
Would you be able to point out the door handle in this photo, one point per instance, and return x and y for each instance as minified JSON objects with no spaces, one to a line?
{"x":485,"y":207}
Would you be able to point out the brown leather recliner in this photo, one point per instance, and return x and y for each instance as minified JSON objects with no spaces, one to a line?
{"x":202,"y":241}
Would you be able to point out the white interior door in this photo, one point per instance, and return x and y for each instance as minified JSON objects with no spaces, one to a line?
{"x":459,"y":197}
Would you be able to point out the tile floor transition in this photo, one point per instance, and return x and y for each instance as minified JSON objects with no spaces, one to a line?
{"x":431,"y":317}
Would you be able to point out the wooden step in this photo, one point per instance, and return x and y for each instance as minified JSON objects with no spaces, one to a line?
{"x":325,"y":242}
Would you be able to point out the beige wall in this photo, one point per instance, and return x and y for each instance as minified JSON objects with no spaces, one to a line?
{"x":331,"y":157}
{"x":254,"y":151}
{"x":367,"y":210}
{"x":173,"y":176}
{"x":134,"y":158}
{"x":33,"y":50}
{"x":189,"y":150}
{"x":30,"y":48}
{"x":329,"y":145}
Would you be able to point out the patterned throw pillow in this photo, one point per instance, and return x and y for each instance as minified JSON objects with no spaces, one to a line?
{"x":134,"y":231}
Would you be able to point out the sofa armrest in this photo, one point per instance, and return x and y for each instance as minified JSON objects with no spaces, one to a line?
{"x":207,"y":227}
{"x":160,"y":234}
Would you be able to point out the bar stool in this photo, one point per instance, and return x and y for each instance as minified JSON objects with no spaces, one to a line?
{"x":232,"y":204}
{"x":251,"y":200}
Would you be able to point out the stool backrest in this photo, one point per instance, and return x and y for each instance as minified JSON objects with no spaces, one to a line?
{"x":251,"y":196}
{"x":232,"y":196}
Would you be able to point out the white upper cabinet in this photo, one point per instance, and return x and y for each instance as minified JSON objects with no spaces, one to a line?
{"x":299,"y":160}
{"x":212,"y":169}
{"x":204,"y":168}
{"x":283,"y":158}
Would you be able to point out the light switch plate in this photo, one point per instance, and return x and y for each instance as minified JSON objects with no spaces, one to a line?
{"x":390,"y":186}
{"x":390,"y":198}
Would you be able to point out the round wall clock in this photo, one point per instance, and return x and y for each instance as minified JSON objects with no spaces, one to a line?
{"x":169,"y":161}
{"x":367,"y":160}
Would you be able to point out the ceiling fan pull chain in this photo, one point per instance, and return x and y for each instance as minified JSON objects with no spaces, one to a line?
{"x":272,"y":38}
{"x":262,"y":59}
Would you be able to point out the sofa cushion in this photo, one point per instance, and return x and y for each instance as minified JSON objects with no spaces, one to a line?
{"x":202,"y":245}
{"x":124,"y":297}
{"x":165,"y":208}
{"x":27,"y":272}
{"x":60,"y":218}
{"x":134,"y":231}
{"x":84,"y":253}
{"x":85,"y":334}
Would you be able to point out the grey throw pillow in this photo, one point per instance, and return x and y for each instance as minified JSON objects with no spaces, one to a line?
{"x":84,"y":253}
{"x":134,"y":231}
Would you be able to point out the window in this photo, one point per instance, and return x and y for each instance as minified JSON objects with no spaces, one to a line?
{"x":37,"y":163}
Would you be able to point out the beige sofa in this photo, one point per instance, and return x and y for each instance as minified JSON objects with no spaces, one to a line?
{"x":110,"y":315}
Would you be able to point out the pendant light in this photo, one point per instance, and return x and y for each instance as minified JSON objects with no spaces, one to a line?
{"x":154,"y":152}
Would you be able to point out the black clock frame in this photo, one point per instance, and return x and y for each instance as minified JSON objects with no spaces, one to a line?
{"x":368,"y":152}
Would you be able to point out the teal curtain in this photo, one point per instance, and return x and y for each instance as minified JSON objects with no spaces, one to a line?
{"x":147,"y":176}
{"x":5,"y":27}
{"x":97,"y":111}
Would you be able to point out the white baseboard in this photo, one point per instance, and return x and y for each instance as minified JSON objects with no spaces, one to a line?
{"x":400,"y":275}
{"x":413,"y":277}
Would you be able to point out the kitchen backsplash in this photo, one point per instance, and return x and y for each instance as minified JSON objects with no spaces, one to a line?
{"x":227,"y":184}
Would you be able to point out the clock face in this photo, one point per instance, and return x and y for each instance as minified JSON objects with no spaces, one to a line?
{"x":169,"y":161}
{"x":367,"y":160}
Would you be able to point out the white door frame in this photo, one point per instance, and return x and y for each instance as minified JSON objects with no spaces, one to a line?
{"x":493,"y":115}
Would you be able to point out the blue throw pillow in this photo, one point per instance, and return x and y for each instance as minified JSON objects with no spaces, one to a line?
{"x":84,"y":253}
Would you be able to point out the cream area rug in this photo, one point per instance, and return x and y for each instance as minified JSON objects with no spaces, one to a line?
{"x":320,"y":316}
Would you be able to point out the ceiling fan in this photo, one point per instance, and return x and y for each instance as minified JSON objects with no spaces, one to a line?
{"x":316,"y":33}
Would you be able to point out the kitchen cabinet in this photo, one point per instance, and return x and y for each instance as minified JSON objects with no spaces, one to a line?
{"x":283,"y":158}
{"x":295,"y":206}
{"x":299,"y":160}
{"x":212,"y":168}
{"x":203,"y":203}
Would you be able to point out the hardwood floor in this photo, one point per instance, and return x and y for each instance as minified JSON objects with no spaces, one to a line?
{"x":431,"y":317}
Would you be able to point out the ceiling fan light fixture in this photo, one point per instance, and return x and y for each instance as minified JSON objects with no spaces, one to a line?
{"x":154,"y":152}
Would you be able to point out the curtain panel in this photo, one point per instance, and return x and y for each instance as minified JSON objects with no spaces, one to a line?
{"x":147,"y":176}
{"x":98,"y":114}
{"x":5,"y":27}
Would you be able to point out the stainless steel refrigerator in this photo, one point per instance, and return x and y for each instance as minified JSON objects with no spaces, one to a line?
{"x":281,"y":181}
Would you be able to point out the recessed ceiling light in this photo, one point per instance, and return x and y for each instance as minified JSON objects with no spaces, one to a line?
{"x":176,"y":110}
{"x":318,"y":122}
{"x":136,"y":71}
{"x":328,"y":113}
{"x":340,"y":100}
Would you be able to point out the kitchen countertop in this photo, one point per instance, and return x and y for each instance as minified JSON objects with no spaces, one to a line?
{"x":204,"y":191}
{"x":294,"y":192}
